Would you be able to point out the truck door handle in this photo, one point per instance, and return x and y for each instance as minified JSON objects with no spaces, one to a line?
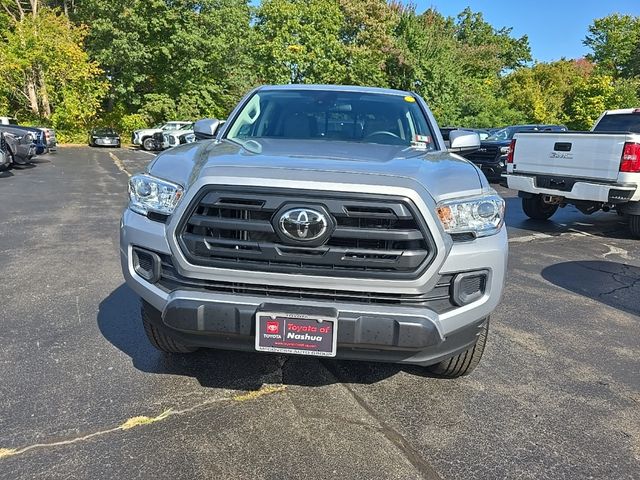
{"x":562,"y":147}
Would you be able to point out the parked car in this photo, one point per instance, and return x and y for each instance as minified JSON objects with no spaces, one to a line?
{"x":491,"y":157}
{"x":47,"y":141}
{"x":37,"y":134}
{"x":483,"y":133}
{"x":171,"y":138}
{"x":596,"y":170}
{"x":323,"y":220}
{"x":145,"y":139}
{"x":8,"y":121}
{"x":5,"y":157}
{"x":104,"y":137}
{"x":50,"y":139}
{"x":22,"y":143}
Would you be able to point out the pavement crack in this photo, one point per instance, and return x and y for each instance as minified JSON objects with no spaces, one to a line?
{"x":392,"y":435}
{"x":139,"y":421}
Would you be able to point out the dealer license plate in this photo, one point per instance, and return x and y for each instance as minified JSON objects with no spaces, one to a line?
{"x":296,"y":333}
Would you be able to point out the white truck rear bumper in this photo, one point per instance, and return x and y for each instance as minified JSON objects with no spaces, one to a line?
{"x":586,"y":190}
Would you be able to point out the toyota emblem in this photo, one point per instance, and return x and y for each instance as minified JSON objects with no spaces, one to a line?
{"x":303,"y":224}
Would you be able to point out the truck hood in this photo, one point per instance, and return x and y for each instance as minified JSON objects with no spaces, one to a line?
{"x":440,"y":173}
{"x":495,"y":143}
{"x":148,"y":131}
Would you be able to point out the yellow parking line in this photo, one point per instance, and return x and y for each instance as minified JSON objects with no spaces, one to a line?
{"x":119,"y":164}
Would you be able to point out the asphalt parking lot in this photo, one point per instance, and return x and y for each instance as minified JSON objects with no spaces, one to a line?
{"x":84,"y":395}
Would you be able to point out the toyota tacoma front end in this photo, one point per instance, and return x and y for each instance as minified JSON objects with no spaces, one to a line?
{"x":323,"y":220}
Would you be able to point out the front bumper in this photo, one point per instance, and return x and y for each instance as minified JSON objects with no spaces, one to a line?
{"x":227,"y":322}
{"x":25,"y":153}
{"x":106,"y":142}
{"x":378,"y":332}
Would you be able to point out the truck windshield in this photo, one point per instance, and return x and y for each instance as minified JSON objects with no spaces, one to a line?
{"x":330,"y":115}
{"x":504,"y":134}
{"x":621,"y":122}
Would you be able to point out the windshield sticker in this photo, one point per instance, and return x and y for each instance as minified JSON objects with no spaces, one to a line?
{"x":409,"y":99}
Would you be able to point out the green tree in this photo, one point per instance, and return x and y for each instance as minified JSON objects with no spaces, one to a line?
{"x":45,"y":74}
{"x":367,"y":34}
{"x":596,"y":94}
{"x":427,"y":62}
{"x":541,"y":92}
{"x":615,"y":41}
{"x":188,"y":52}
{"x":298,"y":41}
{"x":457,"y":65}
{"x":490,"y":50}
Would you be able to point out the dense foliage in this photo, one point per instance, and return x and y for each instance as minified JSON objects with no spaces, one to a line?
{"x":72,"y":64}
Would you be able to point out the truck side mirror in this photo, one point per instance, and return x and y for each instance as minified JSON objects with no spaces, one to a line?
{"x":206,"y":128}
{"x":463,"y":141}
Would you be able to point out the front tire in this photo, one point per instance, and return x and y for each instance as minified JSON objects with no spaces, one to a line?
{"x":149,"y":144}
{"x":464,"y":363}
{"x":634,"y":225}
{"x":536,"y":209}
{"x":158,"y":337}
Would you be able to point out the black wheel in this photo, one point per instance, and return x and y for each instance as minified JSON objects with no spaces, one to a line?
{"x":149,"y":144}
{"x":151,"y":317}
{"x":536,"y":209}
{"x":634,"y":225}
{"x":464,"y":363}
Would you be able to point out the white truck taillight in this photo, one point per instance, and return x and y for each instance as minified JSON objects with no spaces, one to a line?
{"x":512,"y":149}
{"x":630,"y":161}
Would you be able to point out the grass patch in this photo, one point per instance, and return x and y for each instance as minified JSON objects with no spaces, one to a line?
{"x":143,"y":420}
{"x":7,"y":452}
{"x":264,"y":390}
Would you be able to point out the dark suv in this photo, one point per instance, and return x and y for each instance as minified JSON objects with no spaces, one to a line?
{"x":491,"y":157}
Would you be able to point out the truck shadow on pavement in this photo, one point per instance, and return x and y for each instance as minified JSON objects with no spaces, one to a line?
{"x":119,"y":322}
{"x":568,"y":220}
{"x":612,"y":283}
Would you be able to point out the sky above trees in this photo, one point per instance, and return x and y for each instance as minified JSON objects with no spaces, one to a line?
{"x":555,"y":28}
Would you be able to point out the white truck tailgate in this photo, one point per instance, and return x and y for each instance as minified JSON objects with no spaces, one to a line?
{"x":583,"y":155}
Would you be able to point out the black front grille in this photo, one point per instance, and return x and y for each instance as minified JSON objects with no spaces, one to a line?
{"x":373,"y":236}
{"x":484,"y":155}
{"x":439,"y":299}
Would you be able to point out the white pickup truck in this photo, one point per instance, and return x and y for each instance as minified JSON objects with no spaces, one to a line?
{"x":596,"y":170}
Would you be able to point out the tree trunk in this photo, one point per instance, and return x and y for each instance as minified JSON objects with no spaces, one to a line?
{"x":34,"y":7}
{"x":44,"y":96}
{"x":33,"y":95}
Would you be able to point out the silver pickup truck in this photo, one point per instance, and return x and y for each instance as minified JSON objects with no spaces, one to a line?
{"x":322,"y":220}
{"x":596,"y":170}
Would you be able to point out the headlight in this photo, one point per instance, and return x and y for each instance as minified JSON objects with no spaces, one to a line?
{"x":504,"y":150}
{"x":481,"y":216}
{"x":150,"y":194}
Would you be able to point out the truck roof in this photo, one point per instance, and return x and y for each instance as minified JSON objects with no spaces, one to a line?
{"x":337,"y":88}
{"x":621,"y":111}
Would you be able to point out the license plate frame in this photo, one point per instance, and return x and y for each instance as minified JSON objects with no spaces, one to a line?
{"x":297,"y":331}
